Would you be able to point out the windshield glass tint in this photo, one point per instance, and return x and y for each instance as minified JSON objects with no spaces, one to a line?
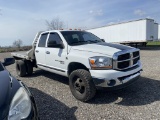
{"x":1,"y":67}
{"x":80,"y":37}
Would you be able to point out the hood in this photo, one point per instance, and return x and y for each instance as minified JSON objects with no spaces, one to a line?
{"x":102,"y":48}
{"x":5,"y":88}
{"x":8,"y":88}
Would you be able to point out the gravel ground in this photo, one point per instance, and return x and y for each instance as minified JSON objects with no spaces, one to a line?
{"x":139,"y":101}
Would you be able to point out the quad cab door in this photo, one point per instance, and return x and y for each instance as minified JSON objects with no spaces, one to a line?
{"x":56,"y":54}
{"x":40,"y":51}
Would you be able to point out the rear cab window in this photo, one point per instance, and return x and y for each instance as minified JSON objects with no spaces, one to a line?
{"x":42,"y":40}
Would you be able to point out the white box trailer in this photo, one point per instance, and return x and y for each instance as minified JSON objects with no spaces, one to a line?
{"x":141,"y":30}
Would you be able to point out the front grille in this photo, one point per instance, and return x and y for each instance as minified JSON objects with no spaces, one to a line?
{"x":124,"y":56}
{"x":123,"y":65}
{"x":135,"y":54}
{"x":135,"y":60}
{"x":127,"y":60}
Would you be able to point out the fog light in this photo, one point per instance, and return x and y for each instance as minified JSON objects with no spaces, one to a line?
{"x":111,"y":82}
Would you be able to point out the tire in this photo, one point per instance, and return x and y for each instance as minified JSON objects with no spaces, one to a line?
{"x":81,"y":85}
{"x":29,"y":67}
{"x":21,"y":68}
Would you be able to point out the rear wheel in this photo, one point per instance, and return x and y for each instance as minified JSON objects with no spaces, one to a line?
{"x":29,"y":67}
{"x":81,"y":85}
{"x":21,"y":68}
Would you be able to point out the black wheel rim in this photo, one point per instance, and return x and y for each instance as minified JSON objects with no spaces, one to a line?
{"x":79,"y":85}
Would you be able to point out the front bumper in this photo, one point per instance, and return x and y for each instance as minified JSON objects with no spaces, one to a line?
{"x":114,"y":79}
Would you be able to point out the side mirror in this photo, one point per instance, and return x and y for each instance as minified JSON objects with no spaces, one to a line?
{"x":8,"y":61}
{"x":54,"y":44}
{"x":103,"y":40}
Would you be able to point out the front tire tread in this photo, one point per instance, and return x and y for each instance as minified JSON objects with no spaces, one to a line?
{"x":90,"y":87}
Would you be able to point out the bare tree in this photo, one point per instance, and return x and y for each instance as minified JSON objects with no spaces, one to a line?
{"x":55,"y":24}
{"x":17,"y":43}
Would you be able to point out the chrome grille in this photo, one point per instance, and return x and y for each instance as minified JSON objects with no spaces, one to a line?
{"x":126,"y":59}
{"x":123,"y":56}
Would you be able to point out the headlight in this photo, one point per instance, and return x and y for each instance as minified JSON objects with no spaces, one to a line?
{"x":100,"y":62}
{"x":20,"y":107}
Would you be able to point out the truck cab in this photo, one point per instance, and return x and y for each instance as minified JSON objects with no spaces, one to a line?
{"x":88,"y":62}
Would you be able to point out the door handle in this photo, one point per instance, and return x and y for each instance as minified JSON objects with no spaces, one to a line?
{"x":37,"y":51}
{"x":47,"y":52}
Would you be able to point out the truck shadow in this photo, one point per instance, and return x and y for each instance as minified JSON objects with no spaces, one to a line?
{"x":142,"y":92}
{"x":50,"y":108}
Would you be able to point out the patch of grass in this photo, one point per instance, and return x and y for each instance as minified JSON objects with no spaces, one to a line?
{"x":152,"y":43}
{"x":14,"y":49}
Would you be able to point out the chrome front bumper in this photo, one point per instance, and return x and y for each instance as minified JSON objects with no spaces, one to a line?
{"x":123,"y":80}
{"x":113,"y":78}
{"x":116,"y":83}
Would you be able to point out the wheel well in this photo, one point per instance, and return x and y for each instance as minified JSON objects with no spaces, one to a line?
{"x":74,"y":66}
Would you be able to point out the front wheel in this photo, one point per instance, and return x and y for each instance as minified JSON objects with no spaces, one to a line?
{"x":81,"y":85}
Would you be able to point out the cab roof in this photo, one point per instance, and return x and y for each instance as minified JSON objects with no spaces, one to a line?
{"x":58,"y":31}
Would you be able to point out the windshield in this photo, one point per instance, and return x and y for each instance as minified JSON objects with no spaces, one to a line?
{"x":1,"y":67}
{"x":80,"y":37}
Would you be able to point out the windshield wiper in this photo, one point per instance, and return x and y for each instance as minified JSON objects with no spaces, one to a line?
{"x":78,"y":42}
{"x":87,"y":41}
{"x":93,"y":41}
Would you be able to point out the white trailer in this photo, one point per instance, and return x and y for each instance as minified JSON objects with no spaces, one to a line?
{"x":141,"y":30}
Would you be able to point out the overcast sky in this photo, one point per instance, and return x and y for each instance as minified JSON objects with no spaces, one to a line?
{"x":22,"y":19}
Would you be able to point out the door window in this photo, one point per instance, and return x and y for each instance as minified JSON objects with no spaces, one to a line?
{"x":54,"y":37}
{"x":42,"y":41}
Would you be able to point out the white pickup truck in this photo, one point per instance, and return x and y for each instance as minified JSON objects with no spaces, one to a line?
{"x":88,"y":61}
